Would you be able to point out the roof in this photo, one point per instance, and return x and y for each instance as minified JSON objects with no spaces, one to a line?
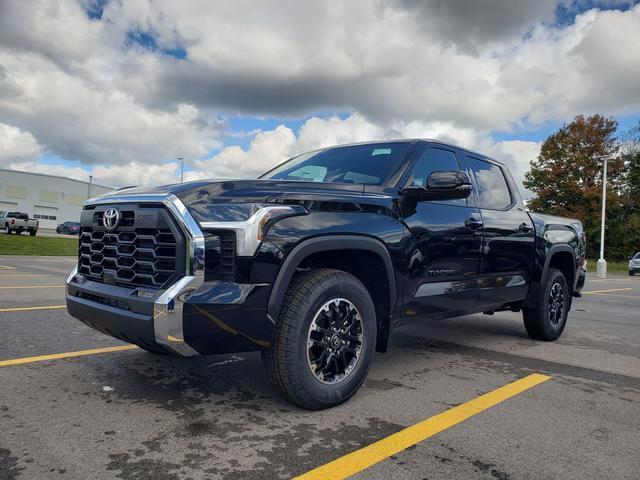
{"x":412,"y":140}
{"x":55,"y":176}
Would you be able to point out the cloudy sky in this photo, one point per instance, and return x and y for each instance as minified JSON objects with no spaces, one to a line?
{"x":120,"y":88}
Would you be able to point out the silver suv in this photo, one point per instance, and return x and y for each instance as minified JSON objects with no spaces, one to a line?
{"x":634,"y":264}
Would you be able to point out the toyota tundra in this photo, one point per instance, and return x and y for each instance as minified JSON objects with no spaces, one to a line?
{"x":315,"y":261}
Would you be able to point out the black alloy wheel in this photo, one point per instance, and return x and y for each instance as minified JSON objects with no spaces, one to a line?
{"x":334,"y":341}
{"x":556,"y":304}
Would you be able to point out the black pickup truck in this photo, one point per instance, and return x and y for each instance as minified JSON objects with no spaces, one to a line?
{"x":314,"y":262}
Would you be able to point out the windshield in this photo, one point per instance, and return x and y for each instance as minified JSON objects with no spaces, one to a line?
{"x":370,"y":164}
{"x":637,"y":257}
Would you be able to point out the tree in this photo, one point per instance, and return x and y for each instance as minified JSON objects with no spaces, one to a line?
{"x":630,"y":150}
{"x":567,"y":180}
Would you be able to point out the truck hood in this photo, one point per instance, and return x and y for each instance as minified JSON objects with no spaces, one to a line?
{"x":233,"y":200}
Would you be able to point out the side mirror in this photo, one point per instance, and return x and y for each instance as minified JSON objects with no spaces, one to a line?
{"x":442,"y":186}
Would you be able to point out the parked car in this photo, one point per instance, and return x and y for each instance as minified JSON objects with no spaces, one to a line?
{"x":18,"y":222}
{"x":314,"y":262}
{"x":634,"y":264}
{"x":70,"y":228}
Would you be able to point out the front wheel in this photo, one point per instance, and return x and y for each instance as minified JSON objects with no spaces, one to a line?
{"x":632,"y":273}
{"x":7,"y":230}
{"x":547,"y":320}
{"x":324,"y":341}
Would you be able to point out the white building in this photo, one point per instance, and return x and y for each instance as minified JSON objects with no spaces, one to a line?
{"x":48,"y":198}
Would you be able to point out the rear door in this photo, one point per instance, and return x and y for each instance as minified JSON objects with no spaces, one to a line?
{"x":508,"y":238}
{"x":442,"y":250}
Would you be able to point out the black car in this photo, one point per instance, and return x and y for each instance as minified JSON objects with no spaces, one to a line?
{"x":313,"y":262}
{"x":70,"y":228}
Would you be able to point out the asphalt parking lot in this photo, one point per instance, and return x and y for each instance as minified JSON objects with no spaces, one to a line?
{"x":99,"y":412}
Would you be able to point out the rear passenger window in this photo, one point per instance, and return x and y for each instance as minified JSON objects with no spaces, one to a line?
{"x":491,"y":186}
{"x":434,"y":160}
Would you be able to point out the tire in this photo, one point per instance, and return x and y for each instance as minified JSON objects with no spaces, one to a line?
{"x":547,"y":320}
{"x":313,"y":299}
{"x":33,"y":232}
{"x":57,"y":229}
{"x":632,"y":273}
{"x":7,"y":230}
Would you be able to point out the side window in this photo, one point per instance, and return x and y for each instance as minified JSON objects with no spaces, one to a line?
{"x":434,"y":160}
{"x":491,"y":185}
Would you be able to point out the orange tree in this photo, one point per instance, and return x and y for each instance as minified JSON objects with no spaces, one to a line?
{"x":566,"y":179}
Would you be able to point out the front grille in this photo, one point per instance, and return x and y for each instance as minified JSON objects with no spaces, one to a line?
{"x":220,"y":260}
{"x":227,"y":255}
{"x":140,"y":253}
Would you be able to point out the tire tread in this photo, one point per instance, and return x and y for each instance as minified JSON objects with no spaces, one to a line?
{"x":278,"y":359}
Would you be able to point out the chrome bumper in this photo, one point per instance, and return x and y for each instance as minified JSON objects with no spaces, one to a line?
{"x":168,"y":306}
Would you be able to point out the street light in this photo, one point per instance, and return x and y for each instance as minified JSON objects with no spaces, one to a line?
{"x":601,"y":265}
{"x":181,"y":169}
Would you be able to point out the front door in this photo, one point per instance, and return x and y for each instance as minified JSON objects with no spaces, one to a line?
{"x":442,"y":250}
{"x":508,"y":235}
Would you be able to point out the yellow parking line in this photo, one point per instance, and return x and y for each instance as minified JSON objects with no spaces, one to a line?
{"x":364,"y":458}
{"x":619,"y":296}
{"x":24,"y":309}
{"x":31,"y":286}
{"x":610,"y":290}
{"x":56,"y":356}
{"x":6,"y":267}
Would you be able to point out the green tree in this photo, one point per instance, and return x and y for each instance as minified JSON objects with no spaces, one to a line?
{"x":567,"y":180}
{"x":630,"y":149}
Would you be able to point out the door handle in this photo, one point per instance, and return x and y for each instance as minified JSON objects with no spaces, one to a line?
{"x":524,"y":227}
{"x":473,"y":223}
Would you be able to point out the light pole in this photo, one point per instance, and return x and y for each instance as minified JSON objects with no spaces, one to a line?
{"x":601,"y":266}
{"x":181,"y":169}
{"x":89,"y":186}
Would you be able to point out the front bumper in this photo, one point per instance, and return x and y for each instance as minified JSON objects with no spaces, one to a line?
{"x":582,"y":276}
{"x":188,"y":318}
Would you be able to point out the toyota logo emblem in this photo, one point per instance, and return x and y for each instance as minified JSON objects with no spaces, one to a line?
{"x":111,"y":219}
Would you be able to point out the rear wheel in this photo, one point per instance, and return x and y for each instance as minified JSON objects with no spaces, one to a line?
{"x":324,"y":340}
{"x":32,"y":233}
{"x":547,"y":320}
{"x":632,"y":272}
{"x":7,"y":230}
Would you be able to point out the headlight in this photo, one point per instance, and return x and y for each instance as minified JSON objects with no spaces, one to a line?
{"x":250,"y":232}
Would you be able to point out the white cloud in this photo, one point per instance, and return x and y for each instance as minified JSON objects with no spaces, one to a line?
{"x":133,"y":173}
{"x":269,"y":148}
{"x":16,"y":145}
{"x":81,"y":89}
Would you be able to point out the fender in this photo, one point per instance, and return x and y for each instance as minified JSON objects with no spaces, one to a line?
{"x":551,"y":252}
{"x":535,"y":290}
{"x":323,"y":244}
